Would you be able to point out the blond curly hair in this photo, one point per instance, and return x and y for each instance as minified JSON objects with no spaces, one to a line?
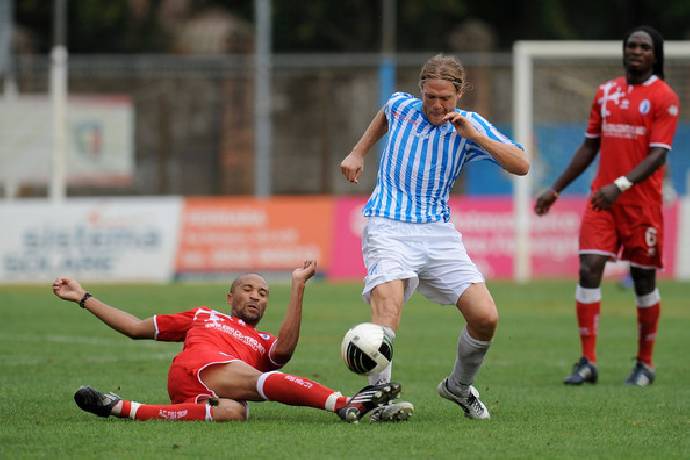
{"x":443,"y":67}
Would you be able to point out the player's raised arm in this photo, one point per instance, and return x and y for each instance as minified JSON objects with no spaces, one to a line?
{"x":288,"y":336}
{"x":353,"y":164}
{"x":123,"y":322}
{"x":508,"y":156}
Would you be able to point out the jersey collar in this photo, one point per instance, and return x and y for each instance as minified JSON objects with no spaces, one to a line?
{"x":650,"y":80}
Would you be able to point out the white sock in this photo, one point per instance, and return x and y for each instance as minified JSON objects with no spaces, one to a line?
{"x":385,"y":375}
{"x":648,"y":300}
{"x":470,"y":357}
{"x":585,"y":295}
{"x":382,"y":377}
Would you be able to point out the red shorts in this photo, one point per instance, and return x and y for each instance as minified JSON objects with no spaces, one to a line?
{"x":184,"y":383}
{"x":637,"y":230}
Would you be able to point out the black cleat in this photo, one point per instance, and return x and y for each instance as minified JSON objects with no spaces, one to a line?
{"x":91,"y":400}
{"x":641,"y":375}
{"x":367,"y":399}
{"x":584,"y":371}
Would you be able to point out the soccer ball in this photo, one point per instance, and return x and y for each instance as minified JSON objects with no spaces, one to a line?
{"x":366,"y":349}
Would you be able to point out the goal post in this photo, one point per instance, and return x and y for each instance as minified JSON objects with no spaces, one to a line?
{"x":525,"y":55}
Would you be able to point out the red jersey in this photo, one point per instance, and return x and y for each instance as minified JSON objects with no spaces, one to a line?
{"x":629,"y":120}
{"x":209,"y":329}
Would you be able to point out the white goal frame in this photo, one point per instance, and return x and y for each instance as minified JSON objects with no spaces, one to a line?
{"x":524,"y":54}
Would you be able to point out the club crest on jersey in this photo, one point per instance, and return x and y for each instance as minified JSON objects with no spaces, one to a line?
{"x":264,"y":336}
{"x":645,"y":106}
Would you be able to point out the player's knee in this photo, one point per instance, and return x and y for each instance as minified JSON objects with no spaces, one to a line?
{"x":644,"y":280}
{"x":228,"y":410}
{"x":488,"y":321}
{"x":644,"y":286}
{"x":484,"y":321}
{"x":591,"y":269}
{"x":589,"y":277}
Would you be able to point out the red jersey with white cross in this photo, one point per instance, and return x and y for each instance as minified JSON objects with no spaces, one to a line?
{"x":203,"y":328}
{"x":629,"y":120}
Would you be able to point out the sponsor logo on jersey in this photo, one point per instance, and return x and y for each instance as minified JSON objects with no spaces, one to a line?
{"x":623,"y":131}
{"x":406,"y":116}
{"x":221,"y":322}
{"x":251,"y":342}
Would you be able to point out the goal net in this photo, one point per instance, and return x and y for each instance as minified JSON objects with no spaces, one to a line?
{"x":553,"y":87}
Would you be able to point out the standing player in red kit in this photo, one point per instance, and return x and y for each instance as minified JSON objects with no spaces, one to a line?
{"x":632,"y":123}
{"x":225,"y":361}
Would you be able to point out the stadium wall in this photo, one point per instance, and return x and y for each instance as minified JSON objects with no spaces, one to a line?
{"x":163,"y":239}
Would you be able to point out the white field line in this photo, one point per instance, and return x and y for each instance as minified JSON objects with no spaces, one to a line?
{"x":97,"y":359}
{"x":76,"y":339}
{"x":149,"y":352}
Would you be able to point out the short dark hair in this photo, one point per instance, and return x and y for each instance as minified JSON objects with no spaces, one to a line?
{"x":657,"y":44}
{"x":237,"y":280}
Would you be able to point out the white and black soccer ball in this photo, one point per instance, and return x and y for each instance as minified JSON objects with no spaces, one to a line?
{"x":366,"y":349}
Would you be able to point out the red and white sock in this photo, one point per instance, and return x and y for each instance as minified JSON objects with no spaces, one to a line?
{"x":181,"y":412}
{"x":648,"y":308}
{"x":299,"y":391}
{"x":588,"y":306}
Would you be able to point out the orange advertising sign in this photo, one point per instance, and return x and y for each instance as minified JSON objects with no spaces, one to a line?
{"x":235,"y":234}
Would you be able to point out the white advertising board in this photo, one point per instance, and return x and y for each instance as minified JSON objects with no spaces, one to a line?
{"x":100,"y":140}
{"x":129,"y":239}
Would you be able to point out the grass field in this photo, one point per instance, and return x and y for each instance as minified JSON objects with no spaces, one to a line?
{"x":49,"y":347}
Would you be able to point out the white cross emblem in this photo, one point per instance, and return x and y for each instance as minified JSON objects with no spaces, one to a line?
{"x":615,"y":97}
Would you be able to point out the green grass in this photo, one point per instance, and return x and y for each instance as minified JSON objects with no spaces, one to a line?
{"x":48,"y":348}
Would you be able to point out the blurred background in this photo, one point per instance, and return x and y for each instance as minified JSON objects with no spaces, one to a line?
{"x":235,"y":115}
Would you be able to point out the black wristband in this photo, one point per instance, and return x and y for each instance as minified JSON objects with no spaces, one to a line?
{"x":83,"y":300}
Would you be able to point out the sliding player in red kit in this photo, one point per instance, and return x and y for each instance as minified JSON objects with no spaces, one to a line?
{"x":225,"y":361}
{"x":632,"y":123}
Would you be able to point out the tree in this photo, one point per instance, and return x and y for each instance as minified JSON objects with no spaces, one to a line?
{"x":142,"y":26}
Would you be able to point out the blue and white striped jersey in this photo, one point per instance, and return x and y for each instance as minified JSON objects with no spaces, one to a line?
{"x":421,"y":162}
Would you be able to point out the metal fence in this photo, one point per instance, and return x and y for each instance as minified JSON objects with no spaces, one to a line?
{"x":194,"y":116}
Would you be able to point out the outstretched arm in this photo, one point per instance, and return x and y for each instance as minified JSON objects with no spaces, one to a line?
{"x":509,"y":157}
{"x":353,"y":164}
{"x":583,"y":157}
{"x":288,"y":335}
{"x":123,"y":322}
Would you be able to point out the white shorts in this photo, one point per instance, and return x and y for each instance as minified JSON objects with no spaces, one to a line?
{"x":429,"y":256}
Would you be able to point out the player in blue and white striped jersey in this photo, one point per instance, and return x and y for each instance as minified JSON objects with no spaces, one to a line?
{"x":422,"y":161}
{"x":409,"y":241}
